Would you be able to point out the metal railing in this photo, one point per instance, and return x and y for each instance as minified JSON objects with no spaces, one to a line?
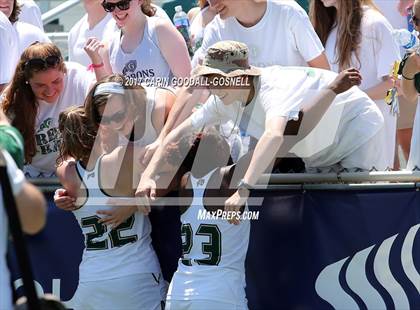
{"x":308,"y":181}
{"x":58,"y":10}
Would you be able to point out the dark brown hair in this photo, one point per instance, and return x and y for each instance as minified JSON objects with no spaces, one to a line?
{"x":134,"y":98}
{"x":15,"y":12}
{"x":147,"y":8}
{"x":20,"y":104}
{"x":77,"y":133}
{"x":348,"y":19}
{"x":204,"y":151}
{"x":202,"y":3}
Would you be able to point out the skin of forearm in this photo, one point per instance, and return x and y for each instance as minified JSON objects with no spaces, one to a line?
{"x":153,"y":168}
{"x":101,"y":73}
{"x":313,"y":111}
{"x":264,"y":154}
{"x":181,"y":110}
{"x":409,"y":90}
{"x":32,"y":209}
{"x":378,"y":92}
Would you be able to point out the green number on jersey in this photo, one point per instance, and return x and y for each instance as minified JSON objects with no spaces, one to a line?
{"x":100,"y":229}
{"x":187,"y":233}
{"x":116,"y":239}
{"x":213,"y":248}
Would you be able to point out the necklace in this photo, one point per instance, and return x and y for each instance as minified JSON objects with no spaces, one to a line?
{"x":234,"y":128}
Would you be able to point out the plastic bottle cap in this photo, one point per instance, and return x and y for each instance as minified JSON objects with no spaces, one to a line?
{"x":178,"y":8}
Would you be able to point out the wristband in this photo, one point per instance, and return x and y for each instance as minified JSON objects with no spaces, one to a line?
{"x":243,"y":185}
{"x":409,"y":79}
{"x":91,"y":67}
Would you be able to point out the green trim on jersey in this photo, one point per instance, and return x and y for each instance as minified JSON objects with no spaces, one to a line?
{"x":12,"y":141}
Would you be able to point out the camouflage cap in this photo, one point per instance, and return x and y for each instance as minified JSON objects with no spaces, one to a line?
{"x":227,"y":58}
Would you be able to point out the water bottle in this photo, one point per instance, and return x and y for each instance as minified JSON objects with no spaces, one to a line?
{"x":182,"y":23}
{"x":406,"y":39}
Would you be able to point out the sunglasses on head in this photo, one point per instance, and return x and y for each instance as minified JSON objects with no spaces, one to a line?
{"x":123,"y":5}
{"x":42,"y":63}
{"x":116,"y":118}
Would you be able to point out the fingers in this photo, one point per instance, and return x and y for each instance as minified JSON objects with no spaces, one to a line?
{"x":105,"y":212}
{"x":153,"y":193}
{"x":65,"y":203}
{"x":232,"y":212}
{"x":148,"y":191}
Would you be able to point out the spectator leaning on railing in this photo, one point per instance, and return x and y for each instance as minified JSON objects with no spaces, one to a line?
{"x":410,"y":84}
{"x":264,"y":101}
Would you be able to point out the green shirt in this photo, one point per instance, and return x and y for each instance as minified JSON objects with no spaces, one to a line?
{"x":11,"y":140}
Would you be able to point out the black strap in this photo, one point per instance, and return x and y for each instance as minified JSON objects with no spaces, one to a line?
{"x":17,"y":235}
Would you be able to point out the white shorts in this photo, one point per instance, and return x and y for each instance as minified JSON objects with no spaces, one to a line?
{"x":139,"y":291}
{"x":201,"y":305}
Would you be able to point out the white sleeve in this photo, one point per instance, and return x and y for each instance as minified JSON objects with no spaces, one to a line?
{"x":210,"y":37}
{"x":16,"y":176}
{"x":385,"y":49}
{"x":70,"y":45}
{"x":31,"y":14}
{"x":5,"y":72}
{"x":276,"y":104}
{"x":307,"y":41}
{"x":208,"y":114}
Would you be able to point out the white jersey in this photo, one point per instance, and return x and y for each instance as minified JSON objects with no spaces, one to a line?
{"x":16,"y":181}
{"x":212,"y":266}
{"x":146,"y":62}
{"x":111,"y":253}
{"x":9,"y":45}
{"x":150,"y":134}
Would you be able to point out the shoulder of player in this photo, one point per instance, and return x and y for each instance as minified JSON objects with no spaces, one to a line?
{"x":69,"y":177}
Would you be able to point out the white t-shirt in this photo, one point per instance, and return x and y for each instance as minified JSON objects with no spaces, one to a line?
{"x":8,"y":49}
{"x":389,"y":9}
{"x":377,"y":54}
{"x":80,"y":32}
{"x":351,"y":120}
{"x":284,"y":36}
{"x":29,"y":34}
{"x":30,"y":13}
{"x":275,"y":96}
{"x":47,"y":135}
{"x":17,"y":179}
